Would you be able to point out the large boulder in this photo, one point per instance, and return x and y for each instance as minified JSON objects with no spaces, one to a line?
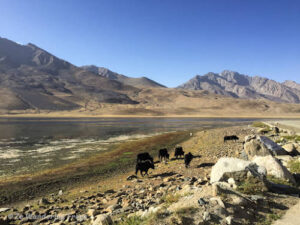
{"x":273,"y":147}
{"x":262,"y":146}
{"x":255,"y":147}
{"x":291,"y":148}
{"x":226,"y":165}
{"x":274,"y":167}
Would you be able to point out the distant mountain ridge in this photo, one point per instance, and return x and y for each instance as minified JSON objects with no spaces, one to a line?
{"x":139,"y":82}
{"x":230,"y":83}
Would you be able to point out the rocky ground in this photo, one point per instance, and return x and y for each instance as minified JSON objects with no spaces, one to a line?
{"x":172,"y":194}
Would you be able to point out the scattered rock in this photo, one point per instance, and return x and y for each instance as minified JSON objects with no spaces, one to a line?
{"x":4,"y":210}
{"x":132,"y":177}
{"x":44,"y":201}
{"x":206,"y":216}
{"x":103,"y":219}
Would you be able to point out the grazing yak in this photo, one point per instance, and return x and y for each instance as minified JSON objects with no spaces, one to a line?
{"x":163,"y":154}
{"x":145,"y":156}
{"x":144,"y":166}
{"x":187,"y":159}
{"x":179,"y":152}
{"x":231,"y":138}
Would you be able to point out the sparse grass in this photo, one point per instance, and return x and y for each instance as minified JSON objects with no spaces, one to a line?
{"x":133,"y":220}
{"x":292,"y":138}
{"x":252,"y":186}
{"x":186,"y":211}
{"x":294,"y":166}
{"x":260,"y":125}
{"x":269,"y":219}
{"x":171,"y":198}
{"x":103,"y":165}
{"x":278,"y":180}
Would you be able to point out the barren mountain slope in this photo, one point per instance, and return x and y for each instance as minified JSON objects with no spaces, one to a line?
{"x":136,"y":82}
{"x":233,"y":84}
{"x":32,"y":78}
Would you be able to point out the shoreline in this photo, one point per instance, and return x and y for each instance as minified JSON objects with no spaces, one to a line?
{"x":61,"y":115}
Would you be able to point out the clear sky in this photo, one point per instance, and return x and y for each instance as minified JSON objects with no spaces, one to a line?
{"x":169,"y":41}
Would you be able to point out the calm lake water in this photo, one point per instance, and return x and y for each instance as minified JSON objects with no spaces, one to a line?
{"x":31,"y":144}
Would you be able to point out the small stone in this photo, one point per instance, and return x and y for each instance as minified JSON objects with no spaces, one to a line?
{"x":44,"y":201}
{"x":228,"y":220}
{"x":4,"y":210}
{"x":220,"y":211}
{"x":103,"y":219}
{"x":201,"y":202}
{"x":132,"y":177}
{"x":206,"y":216}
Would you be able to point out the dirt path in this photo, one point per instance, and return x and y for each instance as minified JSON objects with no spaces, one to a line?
{"x":292,"y":216}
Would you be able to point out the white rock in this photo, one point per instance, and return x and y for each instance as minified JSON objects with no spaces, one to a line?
{"x":103,"y":219}
{"x":4,"y":210}
{"x":231,"y":181}
{"x":228,"y":220}
{"x":274,"y":167}
{"x":206,"y":216}
{"x":227,"y":165}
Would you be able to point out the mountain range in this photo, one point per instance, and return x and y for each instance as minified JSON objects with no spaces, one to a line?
{"x":234,"y":84}
{"x":34,"y":80}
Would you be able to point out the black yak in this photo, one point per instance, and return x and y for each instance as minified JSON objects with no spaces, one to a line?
{"x":187,"y":159}
{"x":178,"y":152}
{"x":144,"y":157}
{"x":231,"y":138}
{"x":163,"y":154}
{"x":143,"y":167}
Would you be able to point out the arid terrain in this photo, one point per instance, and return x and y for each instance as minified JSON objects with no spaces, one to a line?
{"x":171,"y":194}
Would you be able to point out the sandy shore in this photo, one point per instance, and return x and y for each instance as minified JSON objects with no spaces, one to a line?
{"x":293,"y":125}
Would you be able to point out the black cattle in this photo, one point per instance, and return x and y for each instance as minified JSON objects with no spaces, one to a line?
{"x":145,"y":156}
{"x":231,"y":138}
{"x":163,"y":154}
{"x":187,"y":159}
{"x":143,"y":167}
{"x":179,"y":152}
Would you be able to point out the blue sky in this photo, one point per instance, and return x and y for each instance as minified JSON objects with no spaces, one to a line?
{"x":169,"y":41}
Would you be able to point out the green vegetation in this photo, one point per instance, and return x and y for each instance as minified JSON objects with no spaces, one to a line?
{"x":278,"y":180}
{"x":294,"y":166}
{"x":292,"y":138}
{"x":252,"y":186}
{"x":171,"y":198}
{"x":260,"y":125}
{"x":120,"y":158}
{"x":269,"y":219}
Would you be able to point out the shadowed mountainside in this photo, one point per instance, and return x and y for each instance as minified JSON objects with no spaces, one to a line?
{"x":31,"y":78}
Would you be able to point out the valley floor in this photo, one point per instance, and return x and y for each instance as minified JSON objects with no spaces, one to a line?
{"x":160,"y":188}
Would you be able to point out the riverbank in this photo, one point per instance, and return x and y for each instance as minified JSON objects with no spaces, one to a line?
{"x":118,"y":159}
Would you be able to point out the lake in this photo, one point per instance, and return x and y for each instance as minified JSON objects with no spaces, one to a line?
{"x":32,"y":144}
